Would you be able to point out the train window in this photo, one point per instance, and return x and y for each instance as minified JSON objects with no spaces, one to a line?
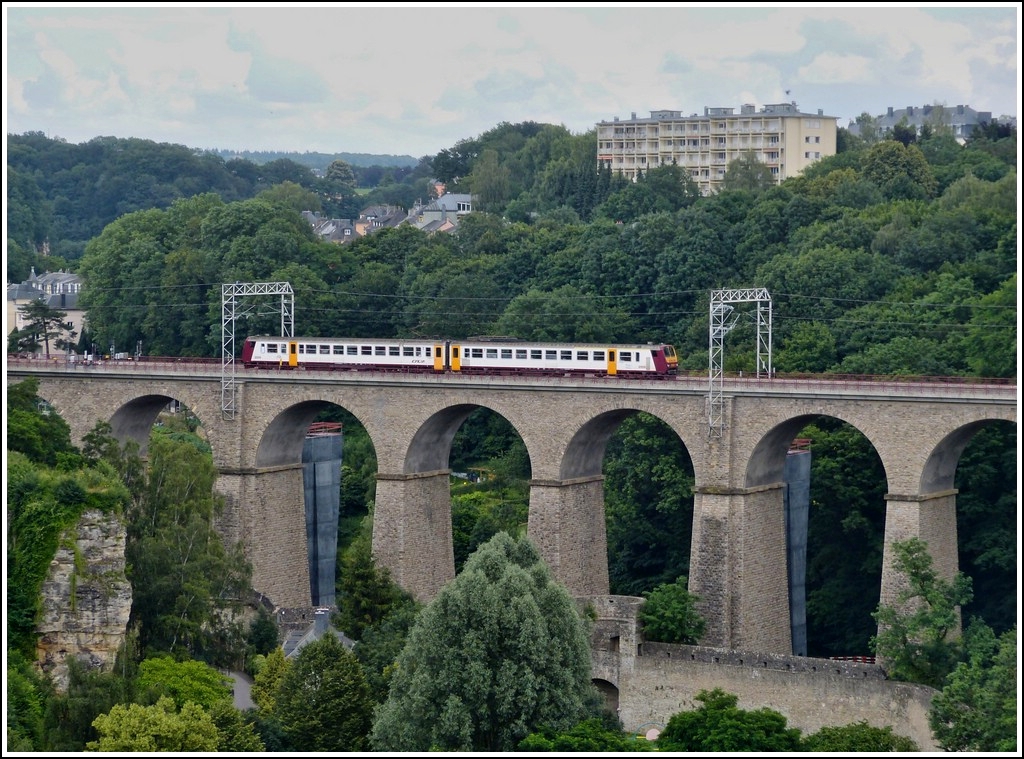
{"x":599,"y":355}
{"x":325,"y":350}
{"x":271,"y":347}
{"x":521,"y":353}
{"x":406,"y":350}
{"x":351,"y":350}
{"x":338,"y":350}
{"x":366,"y":350}
{"x":437,"y":351}
{"x":535,"y":354}
{"x":626,"y":356}
{"x":476,"y":352}
{"x":611,"y":355}
{"x":582,"y":355}
{"x":566,"y":356}
{"x":551,"y":355}
{"x":492,"y":353}
{"x":379,"y":351}
{"x":506,"y":353}
{"x":392,"y":350}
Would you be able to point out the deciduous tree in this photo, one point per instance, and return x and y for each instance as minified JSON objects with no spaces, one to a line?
{"x":499,"y":652}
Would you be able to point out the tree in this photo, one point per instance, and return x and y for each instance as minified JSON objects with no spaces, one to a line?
{"x":183,"y":681}
{"x":669,"y":614}
{"x":499,"y":652}
{"x":133,"y":727}
{"x":323,"y":702}
{"x":748,"y":172}
{"x":857,"y":737}
{"x":915,"y":637}
{"x":186,"y":584}
{"x":591,"y":736}
{"x":977,"y":708}
{"x":719,"y":725}
{"x":268,"y":680}
{"x":43,"y":324}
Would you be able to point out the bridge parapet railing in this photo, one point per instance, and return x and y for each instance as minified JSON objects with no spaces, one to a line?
{"x":733,"y":383}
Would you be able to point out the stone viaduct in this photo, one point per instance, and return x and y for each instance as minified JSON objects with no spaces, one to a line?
{"x":738,"y":551}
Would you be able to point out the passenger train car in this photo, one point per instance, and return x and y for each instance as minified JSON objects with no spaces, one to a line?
{"x":479,"y":355}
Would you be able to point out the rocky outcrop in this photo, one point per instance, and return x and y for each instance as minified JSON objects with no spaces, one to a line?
{"x":86,"y":597}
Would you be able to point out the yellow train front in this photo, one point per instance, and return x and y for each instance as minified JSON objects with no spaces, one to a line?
{"x":470,"y":356}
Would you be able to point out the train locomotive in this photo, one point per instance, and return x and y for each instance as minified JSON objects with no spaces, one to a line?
{"x":479,"y":355}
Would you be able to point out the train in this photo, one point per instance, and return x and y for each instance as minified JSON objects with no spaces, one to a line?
{"x":477,"y":355}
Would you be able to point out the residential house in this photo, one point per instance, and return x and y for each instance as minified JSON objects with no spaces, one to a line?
{"x":962,"y":119}
{"x":60,"y":290}
{"x":441,"y":215}
{"x":373,"y":218}
{"x":338,"y":231}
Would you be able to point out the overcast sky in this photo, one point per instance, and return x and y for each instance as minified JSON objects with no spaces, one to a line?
{"x":410,"y":79}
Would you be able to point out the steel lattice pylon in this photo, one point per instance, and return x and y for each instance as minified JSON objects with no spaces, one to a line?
{"x":229,"y":300}
{"x":719,"y":327}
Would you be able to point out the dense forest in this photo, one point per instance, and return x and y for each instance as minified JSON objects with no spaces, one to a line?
{"x":896,"y":256}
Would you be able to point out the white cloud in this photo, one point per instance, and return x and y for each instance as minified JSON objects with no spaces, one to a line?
{"x":416,"y":79}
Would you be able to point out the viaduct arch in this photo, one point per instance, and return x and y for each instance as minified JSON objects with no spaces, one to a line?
{"x":738,"y":562}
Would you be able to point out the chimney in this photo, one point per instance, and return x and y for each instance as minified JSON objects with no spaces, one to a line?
{"x":321,"y":620}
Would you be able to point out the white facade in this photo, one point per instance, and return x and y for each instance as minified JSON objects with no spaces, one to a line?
{"x":783,"y":138}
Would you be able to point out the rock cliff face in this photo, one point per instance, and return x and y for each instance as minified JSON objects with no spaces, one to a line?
{"x":86,"y":597}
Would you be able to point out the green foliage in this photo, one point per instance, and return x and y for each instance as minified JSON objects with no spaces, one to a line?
{"x":133,"y":727}
{"x":90,"y":693}
{"x":591,"y":735}
{"x":233,"y":732}
{"x":44,"y":505}
{"x":33,"y":428}
{"x":499,"y":652}
{"x":323,"y":701}
{"x":268,"y":680}
{"x":669,"y":614}
{"x":915,"y":636}
{"x":187,"y":586}
{"x":381,"y":644}
{"x":27,"y":693}
{"x":719,"y":725}
{"x":857,"y":737}
{"x":365,"y":592}
{"x":648,"y":492}
{"x":846,"y":525}
{"x":183,"y":681}
{"x":977,"y":708}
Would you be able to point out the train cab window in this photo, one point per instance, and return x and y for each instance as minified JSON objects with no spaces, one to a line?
{"x":582,"y":355}
{"x":338,"y":350}
{"x":599,"y":355}
{"x":669,"y":351}
{"x":492,"y":353}
{"x":506,"y":353}
{"x":406,"y":350}
{"x":551,"y":355}
{"x":325,"y":350}
{"x":379,"y":351}
{"x":521,"y":353}
{"x":535,"y":355}
{"x":271,"y":347}
{"x":626,"y":357}
{"x":392,"y":350}
{"x":351,"y":350}
{"x":366,"y":350}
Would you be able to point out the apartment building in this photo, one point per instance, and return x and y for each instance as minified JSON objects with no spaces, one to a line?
{"x":780,"y":135}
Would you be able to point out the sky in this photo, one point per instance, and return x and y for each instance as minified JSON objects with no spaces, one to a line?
{"x":414,"y":79}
